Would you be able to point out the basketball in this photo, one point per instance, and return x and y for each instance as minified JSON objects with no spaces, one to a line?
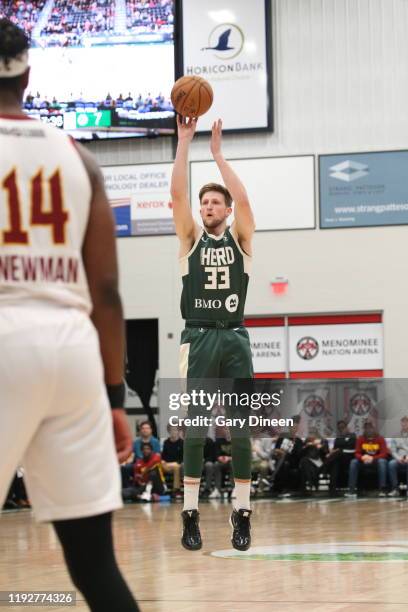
{"x":191,"y":96}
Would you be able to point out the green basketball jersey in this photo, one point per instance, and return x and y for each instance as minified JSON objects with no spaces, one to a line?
{"x":215,"y":279}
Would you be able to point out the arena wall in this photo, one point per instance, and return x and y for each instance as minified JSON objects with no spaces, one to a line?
{"x":350,"y":96}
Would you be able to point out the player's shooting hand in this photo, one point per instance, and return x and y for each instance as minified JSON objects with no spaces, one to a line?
{"x":123,"y":436}
{"x":216,"y":138}
{"x":186,"y":127}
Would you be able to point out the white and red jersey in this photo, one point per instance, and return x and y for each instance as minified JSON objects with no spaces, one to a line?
{"x":45,"y":195}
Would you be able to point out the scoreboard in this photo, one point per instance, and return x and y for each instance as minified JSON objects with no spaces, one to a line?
{"x":85,"y":123}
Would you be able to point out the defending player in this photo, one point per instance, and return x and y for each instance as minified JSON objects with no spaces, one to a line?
{"x":57,"y":263}
{"x":214,"y":344}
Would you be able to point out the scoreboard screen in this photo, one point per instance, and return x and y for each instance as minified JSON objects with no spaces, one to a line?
{"x":100,"y":70}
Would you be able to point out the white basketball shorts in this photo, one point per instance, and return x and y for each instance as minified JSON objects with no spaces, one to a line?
{"x":55,"y":417}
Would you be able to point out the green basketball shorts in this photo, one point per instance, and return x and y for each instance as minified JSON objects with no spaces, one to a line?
{"x":215,"y":353}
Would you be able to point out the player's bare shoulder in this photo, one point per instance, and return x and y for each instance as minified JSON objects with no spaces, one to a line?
{"x":243,"y":242}
{"x":187,"y":244}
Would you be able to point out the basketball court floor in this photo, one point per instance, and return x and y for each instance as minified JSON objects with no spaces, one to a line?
{"x":307,"y":556}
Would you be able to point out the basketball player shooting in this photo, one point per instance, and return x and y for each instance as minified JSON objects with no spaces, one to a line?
{"x":214,"y":263}
{"x":57,"y":265}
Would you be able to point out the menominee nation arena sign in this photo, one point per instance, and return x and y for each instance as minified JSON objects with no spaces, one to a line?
{"x":328,"y":346}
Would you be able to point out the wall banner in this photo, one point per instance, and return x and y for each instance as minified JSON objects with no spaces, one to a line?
{"x":363,"y":189}
{"x":140,"y":198}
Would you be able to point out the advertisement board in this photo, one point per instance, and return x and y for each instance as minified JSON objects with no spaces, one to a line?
{"x":281,"y":189}
{"x":363,"y":189}
{"x":228,"y":43}
{"x":140,"y":198}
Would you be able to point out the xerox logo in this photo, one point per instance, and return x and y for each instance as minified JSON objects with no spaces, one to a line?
{"x":348,"y":171}
{"x":151,"y":204}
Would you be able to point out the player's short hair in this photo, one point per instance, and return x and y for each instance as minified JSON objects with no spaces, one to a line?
{"x":146,"y":444}
{"x":13,"y":42}
{"x":216,"y":187}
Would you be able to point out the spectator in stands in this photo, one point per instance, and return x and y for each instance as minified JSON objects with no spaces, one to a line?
{"x":399,"y":462}
{"x":262,"y":459}
{"x":311,"y":465}
{"x":172,"y":458}
{"x":146,"y":435}
{"x":54,"y":103}
{"x":29,"y":100}
{"x":148,"y":474}
{"x":339,"y":459}
{"x":371,"y":452}
{"x":23,"y":14}
{"x":287,"y":455}
{"x":223,"y":464}
{"x":209,"y":467}
{"x":69,"y":20}
{"x":108,"y":102}
{"x":17,"y":494}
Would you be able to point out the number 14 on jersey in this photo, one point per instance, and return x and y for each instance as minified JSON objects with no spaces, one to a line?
{"x":54,"y":216}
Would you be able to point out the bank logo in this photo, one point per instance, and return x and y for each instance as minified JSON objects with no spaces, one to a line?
{"x":226,"y":40}
{"x":307,"y":348}
{"x":349,"y":171}
{"x":231,"y":303}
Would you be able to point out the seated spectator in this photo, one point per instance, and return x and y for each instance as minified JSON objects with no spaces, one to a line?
{"x":314,"y":452}
{"x":371,"y":452}
{"x":399,"y":462}
{"x":223,"y":464}
{"x":148,"y":474}
{"x":145,"y":430}
{"x":17,"y":494}
{"x":172,"y":458}
{"x":209,"y":466}
{"x":339,"y":459}
{"x":287,"y":455}
{"x":262,"y":459}
{"x":146,"y":435}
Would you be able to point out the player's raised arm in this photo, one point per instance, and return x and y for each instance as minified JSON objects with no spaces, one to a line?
{"x":182,"y":215}
{"x":244,"y":219}
{"x":100,"y":261}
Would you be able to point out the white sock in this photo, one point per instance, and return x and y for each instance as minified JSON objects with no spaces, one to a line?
{"x":191,"y":491}
{"x":242,"y":492}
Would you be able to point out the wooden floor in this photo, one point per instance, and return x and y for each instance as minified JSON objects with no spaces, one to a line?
{"x":321,"y":576}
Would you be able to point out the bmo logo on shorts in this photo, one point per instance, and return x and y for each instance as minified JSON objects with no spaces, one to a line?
{"x":208,"y":304}
{"x":231,"y":303}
